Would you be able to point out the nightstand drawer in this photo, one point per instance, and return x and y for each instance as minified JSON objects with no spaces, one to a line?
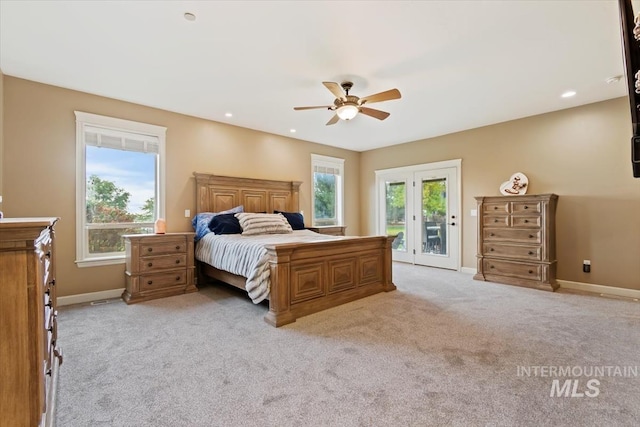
{"x":163,"y":246}
{"x":164,"y":280}
{"x":157,"y":263}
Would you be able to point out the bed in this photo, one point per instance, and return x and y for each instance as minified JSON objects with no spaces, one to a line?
{"x":305,"y":277}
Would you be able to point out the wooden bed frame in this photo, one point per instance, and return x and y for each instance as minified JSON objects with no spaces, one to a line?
{"x":305,"y":277}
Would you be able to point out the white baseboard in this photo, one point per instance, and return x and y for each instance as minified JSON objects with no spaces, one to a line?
{"x":600,"y":289}
{"x":92,"y":296}
{"x":584,"y":287}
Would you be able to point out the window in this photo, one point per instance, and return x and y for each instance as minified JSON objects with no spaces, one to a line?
{"x":120,"y":185}
{"x":328,"y":190}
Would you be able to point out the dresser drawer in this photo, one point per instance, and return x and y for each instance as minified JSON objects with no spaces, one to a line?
{"x":513,"y":269}
{"x":499,"y":207}
{"x":526,"y":221}
{"x":522,"y":252}
{"x":512,"y":235}
{"x":157,"y":281}
{"x":163,"y":246}
{"x":531,"y":207}
{"x":158,"y":263}
{"x":496,"y":221}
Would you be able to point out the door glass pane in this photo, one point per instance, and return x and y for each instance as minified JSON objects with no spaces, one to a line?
{"x":434,"y":216}
{"x":396,"y":221}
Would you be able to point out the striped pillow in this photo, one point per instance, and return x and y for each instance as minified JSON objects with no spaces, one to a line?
{"x":259,"y":223}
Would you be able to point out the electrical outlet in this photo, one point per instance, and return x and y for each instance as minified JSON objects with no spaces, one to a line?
{"x":474,"y":212}
{"x":586,"y":266}
{"x":187,"y":213}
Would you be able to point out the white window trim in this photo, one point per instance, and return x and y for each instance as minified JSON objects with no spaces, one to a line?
{"x":88,"y":119}
{"x":334,"y":162}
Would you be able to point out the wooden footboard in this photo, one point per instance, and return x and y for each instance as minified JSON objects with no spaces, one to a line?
{"x":310,"y":277}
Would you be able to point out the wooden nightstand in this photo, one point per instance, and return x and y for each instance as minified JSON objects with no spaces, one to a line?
{"x":333,"y":230}
{"x":158,"y":265}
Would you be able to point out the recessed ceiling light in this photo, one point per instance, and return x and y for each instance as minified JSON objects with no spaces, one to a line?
{"x":568,"y":94}
{"x":228,"y":114}
{"x":292,"y":130}
{"x":189,"y":16}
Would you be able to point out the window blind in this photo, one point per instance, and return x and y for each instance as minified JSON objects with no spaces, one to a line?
{"x":127,"y":141}
{"x":326,"y":169}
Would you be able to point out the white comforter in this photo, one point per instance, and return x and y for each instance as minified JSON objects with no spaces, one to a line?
{"x":246,"y":255}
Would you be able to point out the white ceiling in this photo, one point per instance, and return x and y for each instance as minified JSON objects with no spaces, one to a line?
{"x":458,"y":64}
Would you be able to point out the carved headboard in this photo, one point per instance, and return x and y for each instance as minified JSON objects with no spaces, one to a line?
{"x":215,"y":193}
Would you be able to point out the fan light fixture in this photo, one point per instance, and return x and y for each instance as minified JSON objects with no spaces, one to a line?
{"x":347,"y":111}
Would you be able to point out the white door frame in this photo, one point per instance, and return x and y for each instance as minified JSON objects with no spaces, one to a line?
{"x":395,"y":173}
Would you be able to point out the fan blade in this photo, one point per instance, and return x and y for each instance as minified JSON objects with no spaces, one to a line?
{"x":311,"y":108}
{"x":382,"y":96}
{"x":380,"y":115}
{"x":333,"y":120}
{"x":335,"y":89}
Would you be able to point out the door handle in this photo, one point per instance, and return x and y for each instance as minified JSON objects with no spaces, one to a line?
{"x":451,"y":223}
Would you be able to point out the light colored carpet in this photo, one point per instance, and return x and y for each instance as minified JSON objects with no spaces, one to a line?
{"x":442,"y":349}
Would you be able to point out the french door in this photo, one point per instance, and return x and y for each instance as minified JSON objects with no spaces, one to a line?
{"x":420,"y":206}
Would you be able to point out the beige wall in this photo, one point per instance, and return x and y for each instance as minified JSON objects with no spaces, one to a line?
{"x":39,"y":166}
{"x":582,"y":154}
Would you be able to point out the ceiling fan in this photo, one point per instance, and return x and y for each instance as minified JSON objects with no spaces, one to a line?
{"x":348,"y":106}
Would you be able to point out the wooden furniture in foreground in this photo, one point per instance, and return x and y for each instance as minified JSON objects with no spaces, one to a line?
{"x":332,"y":230}
{"x":305,"y":277}
{"x":29,"y":353}
{"x":158,"y":265}
{"x":517,"y":240}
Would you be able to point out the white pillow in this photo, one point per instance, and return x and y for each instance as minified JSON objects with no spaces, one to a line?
{"x":260,"y":223}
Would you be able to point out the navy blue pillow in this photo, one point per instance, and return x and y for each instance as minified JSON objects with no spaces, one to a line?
{"x":296,"y":220}
{"x":225,"y":224}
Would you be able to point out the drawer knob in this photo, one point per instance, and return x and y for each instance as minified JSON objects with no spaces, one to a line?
{"x":149,"y":282}
{"x":526,"y":221}
{"x":177,"y":261}
{"x":150,"y":264}
{"x":495,"y":207}
{"x":491,"y":249}
{"x":491,"y":234}
{"x":495,"y":220}
{"x":531,"y":236}
{"x":491,"y":266}
{"x":530,"y":271}
{"x":178,"y":248}
{"x":531,"y":252}
{"x":150,"y":249}
{"x":177,"y":278}
{"x":526,"y":207}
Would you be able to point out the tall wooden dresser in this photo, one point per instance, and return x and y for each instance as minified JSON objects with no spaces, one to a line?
{"x":29,"y":353}
{"x":517,"y":240}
